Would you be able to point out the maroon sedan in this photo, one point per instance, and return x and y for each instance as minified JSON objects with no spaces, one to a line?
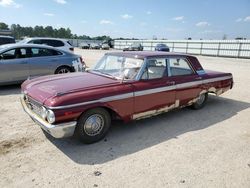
{"x":122,"y":85}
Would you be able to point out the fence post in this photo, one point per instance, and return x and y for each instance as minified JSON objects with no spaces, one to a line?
{"x":201,"y":48}
{"x":239,"y":50}
{"x":173,"y":47}
{"x":187,"y":48}
{"x":218,"y":50}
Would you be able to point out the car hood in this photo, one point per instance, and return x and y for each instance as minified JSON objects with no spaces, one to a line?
{"x":45,"y":87}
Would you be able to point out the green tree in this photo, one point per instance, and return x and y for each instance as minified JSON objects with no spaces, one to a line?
{"x":3,"y":26}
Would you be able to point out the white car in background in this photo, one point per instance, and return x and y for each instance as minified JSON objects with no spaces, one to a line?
{"x":62,"y":44}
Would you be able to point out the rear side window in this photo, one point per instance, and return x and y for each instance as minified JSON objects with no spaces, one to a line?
{"x":179,"y":67}
{"x":41,"y":52}
{"x":54,"y":43}
{"x":156,"y":68}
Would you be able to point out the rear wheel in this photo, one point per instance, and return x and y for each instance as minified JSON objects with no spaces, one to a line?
{"x":62,"y":70}
{"x":200,"y":103}
{"x":93,"y":125}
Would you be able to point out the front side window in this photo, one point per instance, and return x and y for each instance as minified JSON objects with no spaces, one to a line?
{"x":179,"y":67}
{"x":16,"y":53}
{"x":35,"y":42}
{"x":156,"y":68}
{"x":54,"y":43}
{"x":118,"y":67}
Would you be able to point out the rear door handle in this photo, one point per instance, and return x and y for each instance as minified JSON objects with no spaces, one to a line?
{"x":170,"y":82}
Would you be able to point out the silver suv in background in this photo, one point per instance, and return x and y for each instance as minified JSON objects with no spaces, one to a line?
{"x":20,"y":61}
{"x":62,"y":44}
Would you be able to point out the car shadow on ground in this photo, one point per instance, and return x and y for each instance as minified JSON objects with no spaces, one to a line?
{"x":124,"y":139}
{"x":10,"y":89}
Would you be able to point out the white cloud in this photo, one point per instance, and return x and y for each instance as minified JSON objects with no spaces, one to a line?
{"x":247,"y":19}
{"x":9,"y":3}
{"x":202,"y":24}
{"x":126,"y":16}
{"x":239,"y":20}
{"x":178,"y":18}
{"x":211,"y":31}
{"x":149,"y":12}
{"x":61,"y":1}
{"x":102,"y":22}
{"x":48,"y":14}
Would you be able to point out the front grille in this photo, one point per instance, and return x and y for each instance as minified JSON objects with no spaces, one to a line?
{"x":33,"y":105}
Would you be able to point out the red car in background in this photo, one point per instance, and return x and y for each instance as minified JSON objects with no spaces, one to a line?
{"x":122,"y":85}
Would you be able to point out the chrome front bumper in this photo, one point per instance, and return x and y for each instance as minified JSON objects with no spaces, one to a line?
{"x":58,"y":131}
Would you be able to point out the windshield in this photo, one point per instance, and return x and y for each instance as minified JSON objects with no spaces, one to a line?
{"x":118,"y":67}
{"x":24,"y":41}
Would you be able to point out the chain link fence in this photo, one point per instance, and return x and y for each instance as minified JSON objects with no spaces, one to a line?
{"x":220,"y":48}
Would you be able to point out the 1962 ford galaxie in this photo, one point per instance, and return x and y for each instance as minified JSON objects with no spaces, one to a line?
{"x":122,"y":85}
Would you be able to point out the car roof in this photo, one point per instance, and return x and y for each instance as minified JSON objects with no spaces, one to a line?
{"x":46,"y":38}
{"x":146,"y":54}
{"x":16,"y":45}
{"x":9,"y":37}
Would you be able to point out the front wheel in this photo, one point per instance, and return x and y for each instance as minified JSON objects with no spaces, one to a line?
{"x":201,"y":101}
{"x":93,"y":125}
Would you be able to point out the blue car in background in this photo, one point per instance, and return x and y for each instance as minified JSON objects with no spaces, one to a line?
{"x":20,"y":61}
{"x":162,"y":47}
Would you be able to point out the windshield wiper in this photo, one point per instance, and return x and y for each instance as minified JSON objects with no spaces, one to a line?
{"x":107,"y":74}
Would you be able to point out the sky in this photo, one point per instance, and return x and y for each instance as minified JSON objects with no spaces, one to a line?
{"x":144,"y":19}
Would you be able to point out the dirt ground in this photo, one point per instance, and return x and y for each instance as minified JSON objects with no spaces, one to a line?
{"x":182,"y":148}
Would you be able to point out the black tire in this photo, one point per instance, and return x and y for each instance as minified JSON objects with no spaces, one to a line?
{"x":200,"y":103}
{"x":85,"y":125}
{"x":63,"y":70}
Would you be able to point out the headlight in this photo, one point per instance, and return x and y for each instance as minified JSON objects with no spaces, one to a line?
{"x":43,"y":112}
{"x":50,"y":116}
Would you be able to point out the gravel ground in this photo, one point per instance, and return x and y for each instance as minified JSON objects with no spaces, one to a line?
{"x":182,"y":148}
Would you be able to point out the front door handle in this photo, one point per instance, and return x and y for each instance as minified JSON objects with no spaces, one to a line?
{"x":170,"y":82}
{"x":198,"y":78}
{"x":23,"y":62}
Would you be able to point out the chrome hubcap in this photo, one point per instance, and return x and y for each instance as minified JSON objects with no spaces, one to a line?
{"x":93,"y":125}
{"x":62,"y":71}
{"x":201,"y":99}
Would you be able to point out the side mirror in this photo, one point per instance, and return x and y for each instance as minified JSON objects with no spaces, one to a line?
{"x":1,"y":57}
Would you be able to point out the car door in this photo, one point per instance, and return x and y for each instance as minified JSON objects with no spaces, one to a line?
{"x":43,"y":61}
{"x":14,"y":65}
{"x":153,"y":93}
{"x":188,"y":83}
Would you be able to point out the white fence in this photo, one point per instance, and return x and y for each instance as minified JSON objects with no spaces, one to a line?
{"x":223,"y":48}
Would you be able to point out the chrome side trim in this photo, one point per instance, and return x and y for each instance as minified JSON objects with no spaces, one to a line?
{"x":188,"y":84}
{"x":141,"y":93}
{"x":156,"y":90}
{"x":105,"y":99}
{"x":216,"y":79}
